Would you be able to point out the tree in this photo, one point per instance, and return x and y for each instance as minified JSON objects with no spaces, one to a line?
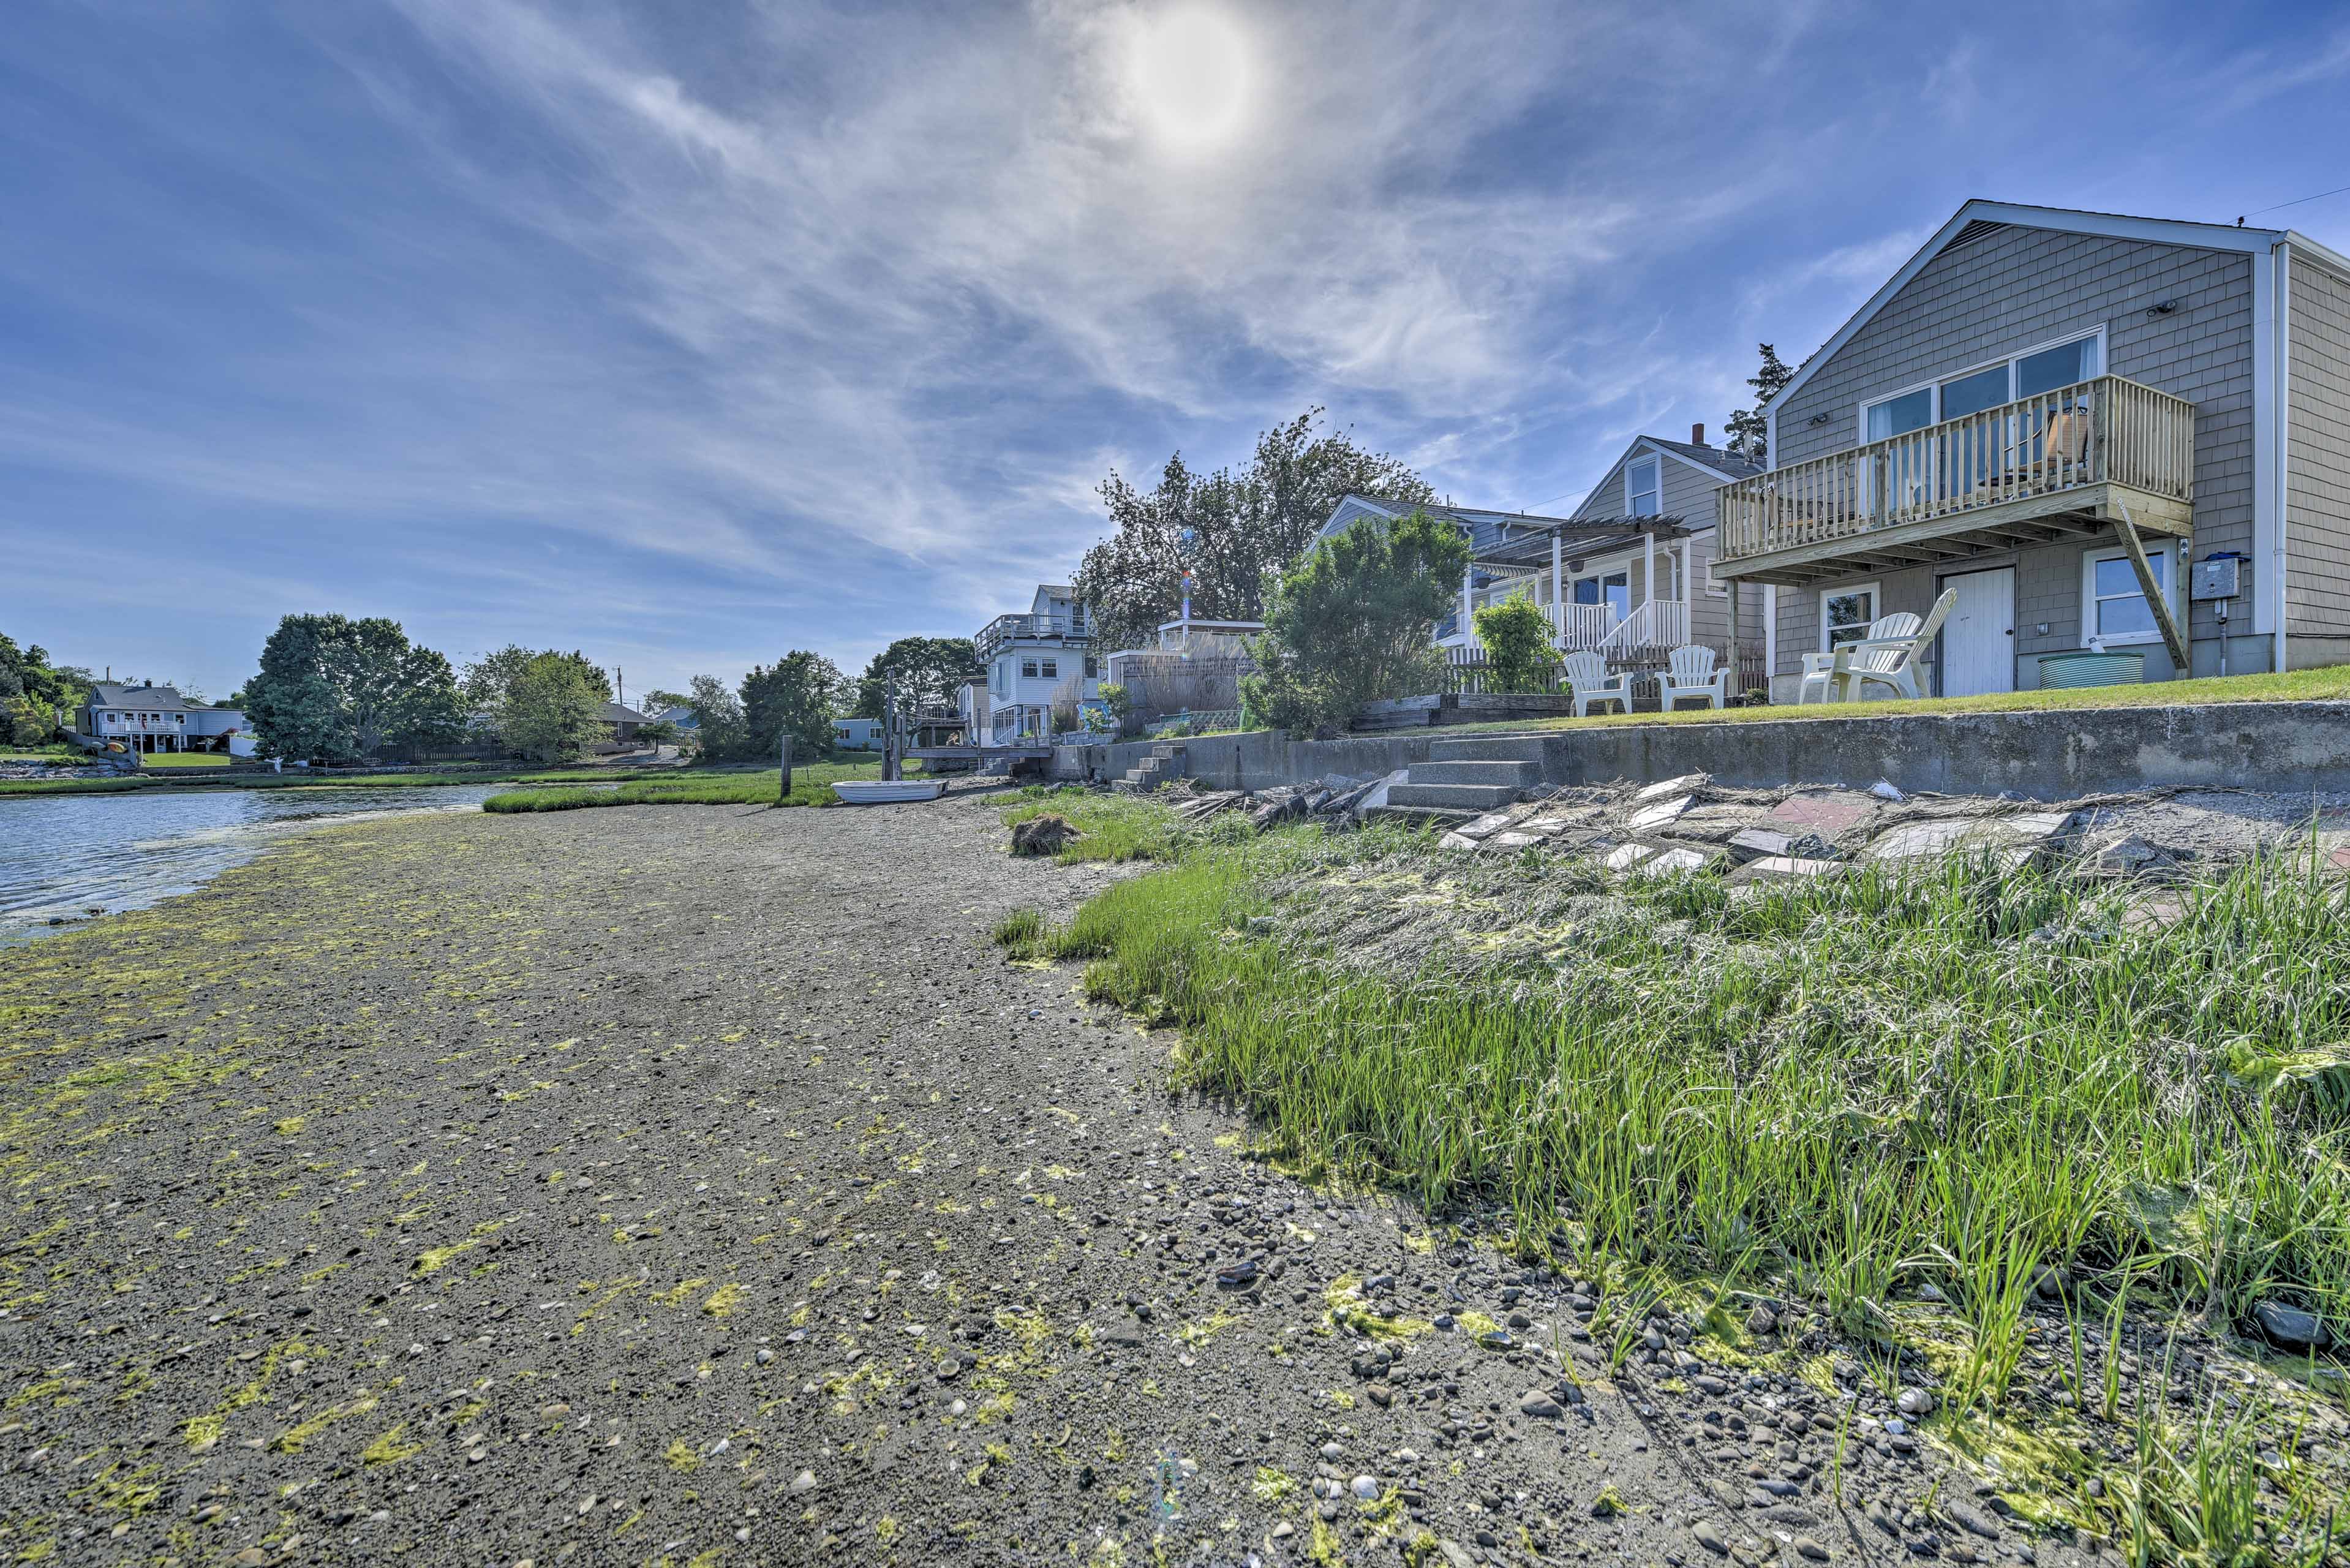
{"x":717,"y":717}
{"x":1516,"y":634}
{"x":796,"y":696}
{"x":1350,"y":624}
{"x":659,"y":701}
{"x":926,"y":670}
{"x":32,"y":690}
{"x":1750,"y":428}
{"x":488,"y":679}
{"x":335,"y":689}
{"x":551,"y":712}
{"x":1246,"y":527}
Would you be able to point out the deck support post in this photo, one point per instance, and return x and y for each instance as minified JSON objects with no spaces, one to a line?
{"x":2156,"y":599}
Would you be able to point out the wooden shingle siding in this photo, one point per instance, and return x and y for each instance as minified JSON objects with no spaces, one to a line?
{"x":2317,"y":461}
{"x":2018,"y":288}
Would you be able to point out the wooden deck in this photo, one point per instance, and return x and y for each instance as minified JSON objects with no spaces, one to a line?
{"x":2067,"y":464}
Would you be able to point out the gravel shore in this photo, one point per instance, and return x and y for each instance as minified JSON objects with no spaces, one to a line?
{"x":699,"y":1185}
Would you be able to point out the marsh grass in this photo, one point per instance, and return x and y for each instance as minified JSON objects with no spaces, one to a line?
{"x":1121,"y":827}
{"x":810,"y":787}
{"x":1962,"y":1074}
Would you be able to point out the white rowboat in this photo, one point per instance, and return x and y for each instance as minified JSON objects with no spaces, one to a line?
{"x":881,"y":792}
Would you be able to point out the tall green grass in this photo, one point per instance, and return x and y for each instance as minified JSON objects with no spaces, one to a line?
{"x":1965,"y":1075}
{"x":810,"y":787}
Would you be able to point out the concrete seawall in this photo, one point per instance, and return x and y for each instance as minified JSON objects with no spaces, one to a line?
{"x":2049,"y":754}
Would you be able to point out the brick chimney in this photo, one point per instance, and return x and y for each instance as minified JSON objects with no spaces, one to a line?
{"x":1696,"y":435}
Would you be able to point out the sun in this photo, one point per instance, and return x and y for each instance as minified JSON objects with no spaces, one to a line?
{"x":1189,"y":67}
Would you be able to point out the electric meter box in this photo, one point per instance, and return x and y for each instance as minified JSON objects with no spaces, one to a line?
{"x":2212,"y":580}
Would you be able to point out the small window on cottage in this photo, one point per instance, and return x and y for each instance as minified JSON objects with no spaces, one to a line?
{"x":1028,"y":669}
{"x":1049,"y":669}
{"x":1640,"y":493}
{"x":2116,"y":607}
{"x":1093,"y":667}
{"x":1845,"y":614}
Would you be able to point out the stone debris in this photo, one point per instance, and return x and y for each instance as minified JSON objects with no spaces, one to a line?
{"x":1045,"y":835}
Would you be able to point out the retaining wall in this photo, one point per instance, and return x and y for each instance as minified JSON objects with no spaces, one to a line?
{"x":2054,"y":754}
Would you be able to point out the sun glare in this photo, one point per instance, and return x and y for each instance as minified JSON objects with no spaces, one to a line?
{"x":1190,"y":76}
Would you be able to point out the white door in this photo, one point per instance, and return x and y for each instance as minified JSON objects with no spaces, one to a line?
{"x":1978,"y":639}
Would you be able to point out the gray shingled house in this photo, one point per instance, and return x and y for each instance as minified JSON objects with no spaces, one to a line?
{"x":2114,"y":437}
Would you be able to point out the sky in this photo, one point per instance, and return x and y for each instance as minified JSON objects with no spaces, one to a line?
{"x":689,"y":334}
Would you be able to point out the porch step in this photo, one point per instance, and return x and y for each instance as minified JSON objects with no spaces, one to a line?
{"x":1453,"y":796}
{"x":1488,"y":749}
{"x":1515,"y":773}
{"x":1164,"y":763}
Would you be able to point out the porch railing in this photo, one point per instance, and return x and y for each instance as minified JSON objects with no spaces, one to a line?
{"x":1653,"y":623}
{"x":2106,"y":430}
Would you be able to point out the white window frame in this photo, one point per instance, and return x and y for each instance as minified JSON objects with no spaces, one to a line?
{"x":1874,"y":588}
{"x":2090,"y":637}
{"x":1933,"y":385}
{"x":1028,"y":669}
{"x":1048,"y":669}
{"x":1656,"y":462}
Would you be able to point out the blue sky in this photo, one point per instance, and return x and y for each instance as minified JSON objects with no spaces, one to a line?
{"x":689,"y":334}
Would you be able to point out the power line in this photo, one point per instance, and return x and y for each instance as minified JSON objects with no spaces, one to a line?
{"x":2296,"y":201}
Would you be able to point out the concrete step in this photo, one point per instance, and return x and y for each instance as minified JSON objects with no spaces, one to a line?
{"x":1488,"y":749}
{"x":1478,"y":771}
{"x":1452,"y":796}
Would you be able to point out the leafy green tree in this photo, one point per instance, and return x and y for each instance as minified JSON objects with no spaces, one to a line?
{"x":1246,"y":527}
{"x":656,"y":700}
{"x":927,"y":671}
{"x":32,"y":690}
{"x":1517,"y":637}
{"x":551,"y":712}
{"x":335,"y":689}
{"x":796,"y":696}
{"x":718,"y":719}
{"x":1350,"y":623}
{"x":1750,"y":429}
{"x":488,"y":679}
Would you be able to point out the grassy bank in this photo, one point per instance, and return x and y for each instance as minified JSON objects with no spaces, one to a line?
{"x":1118,"y":827}
{"x":810,"y":787}
{"x":2331,"y":684}
{"x":1964,"y":1079}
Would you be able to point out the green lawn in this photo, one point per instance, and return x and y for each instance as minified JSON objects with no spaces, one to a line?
{"x":185,"y":759}
{"x":2331,"y":684}
{"x":811,"y":786}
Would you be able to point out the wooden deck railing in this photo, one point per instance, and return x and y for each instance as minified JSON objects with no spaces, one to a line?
{"x":2103,"y":431}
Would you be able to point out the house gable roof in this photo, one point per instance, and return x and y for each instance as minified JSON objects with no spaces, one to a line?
{"x":1979,"y":217}
{"x":160,"y":699}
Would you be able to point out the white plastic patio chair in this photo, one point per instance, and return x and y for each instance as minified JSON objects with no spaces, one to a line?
{"x":1690,"y":673}
{"x":1590,"y":680}
{"x":1887,"y":656}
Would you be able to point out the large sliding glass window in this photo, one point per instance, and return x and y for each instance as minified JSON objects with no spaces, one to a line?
{"x":2062,"y":365}
{"x":1899,"y":416}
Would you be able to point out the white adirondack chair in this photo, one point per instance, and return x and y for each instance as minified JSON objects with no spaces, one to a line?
{"x":1590,"y":680}
{"x":1690,"y":673}
{"x":1888,"y":662}
{"x":1887,"y":656}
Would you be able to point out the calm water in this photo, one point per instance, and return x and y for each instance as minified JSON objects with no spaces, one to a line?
{"x":67,"y":855}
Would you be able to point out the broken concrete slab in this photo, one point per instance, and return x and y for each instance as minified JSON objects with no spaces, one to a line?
{"x":1940,"y":836}
{"x":1828,"y":813}
{"x":1624,"y":857}
{"x":1667,"y":862}
{"x":1456,"y":841}
{"x":1688,"y":784}
{"x":1756,"y":842}
{"x":1663,"y":814}
{"x":1514,"y":840}
{"x":1492,"y":822}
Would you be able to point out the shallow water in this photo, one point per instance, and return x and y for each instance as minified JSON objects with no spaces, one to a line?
{"x":67,"y":854}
